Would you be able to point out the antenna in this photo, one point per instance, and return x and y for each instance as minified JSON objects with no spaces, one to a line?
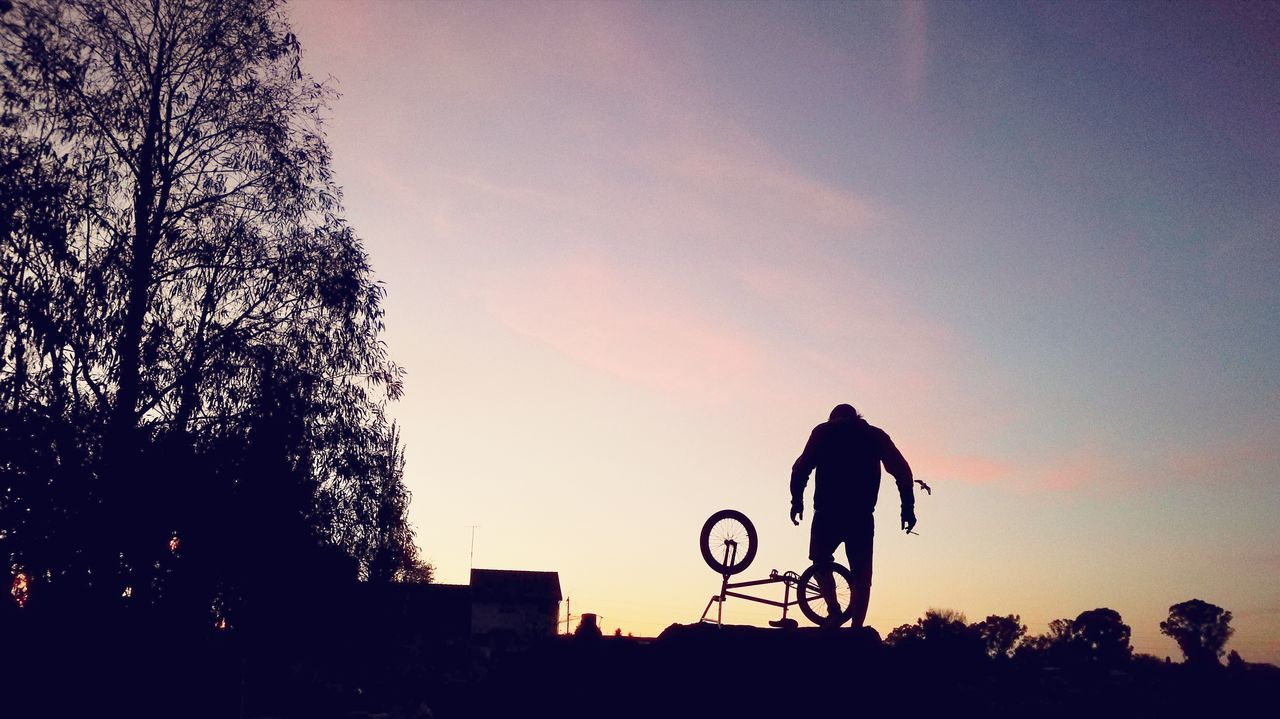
{"x":473,"y":527}
{"x":568,"y":614}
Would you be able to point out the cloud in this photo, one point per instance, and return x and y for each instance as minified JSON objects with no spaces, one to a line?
{"x":838,"y":299}
{"x":931,"y":463}
{"x":492,"y":52}
{"x":530,"y":198}
{"x":1094,"y":466}
{"x":734,"y":168}
{"x":640,"y":328}
{"x":915,"y":45}
{"x":860,"y":335}
{"x":1077,"y":469}
{"x":1224,"y":460}
{"x":626,"y":325}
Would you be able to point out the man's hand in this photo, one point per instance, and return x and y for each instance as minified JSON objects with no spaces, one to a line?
{"x":908,"y":519}
{"x":797,"y":513}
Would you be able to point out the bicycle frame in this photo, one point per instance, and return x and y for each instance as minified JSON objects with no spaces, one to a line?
{"x":789,"y":580}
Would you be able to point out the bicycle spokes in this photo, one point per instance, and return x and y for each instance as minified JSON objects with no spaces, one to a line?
{"x":728,"y":541}
{"x":826,"y":594}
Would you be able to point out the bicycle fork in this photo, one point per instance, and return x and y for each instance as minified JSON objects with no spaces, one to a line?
{"x":730,"y":557}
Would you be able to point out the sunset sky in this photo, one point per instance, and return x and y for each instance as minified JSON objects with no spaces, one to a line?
{"x":634,"y":253}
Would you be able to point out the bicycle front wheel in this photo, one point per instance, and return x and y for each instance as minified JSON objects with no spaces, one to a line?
{"x":825,"y":592}
{"x":728,"y":541}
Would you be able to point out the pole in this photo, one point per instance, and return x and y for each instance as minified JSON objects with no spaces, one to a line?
{"x":472,"y":560}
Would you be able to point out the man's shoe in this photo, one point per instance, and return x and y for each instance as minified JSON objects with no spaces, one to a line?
{"x":783,"y":623}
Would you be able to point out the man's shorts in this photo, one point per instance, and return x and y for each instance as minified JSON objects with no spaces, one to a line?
{"x":856,"y":531}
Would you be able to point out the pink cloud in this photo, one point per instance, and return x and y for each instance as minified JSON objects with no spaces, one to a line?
{"x":489,"y":51}
{"x":626,"y":325}
{"x":859,"y":335}
{"x":1077,"y":470}
{"x":845,"y":302}
{"x":733,"y":167}
{"x":915,"y":41}
{"x":528,"y":197}
{"x":930,"y":464}
{"x":1224,"y":460}
{"x":1091,"y":466}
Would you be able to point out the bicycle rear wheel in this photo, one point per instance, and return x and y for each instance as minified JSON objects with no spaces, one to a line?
{"x":728,"y":541}
{"x":835,"y":608}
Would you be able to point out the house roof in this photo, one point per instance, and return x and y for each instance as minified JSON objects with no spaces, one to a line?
{"x":511,"y":584}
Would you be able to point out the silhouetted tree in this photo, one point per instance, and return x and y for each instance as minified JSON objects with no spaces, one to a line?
{"x":1055,"y":646}
{"x":1001,"y":634}
{"x":1235,"y":661}
{"x":1097,"y":636}
{"x":189,"y":331}
{"x":1103,"y":636}
{"x":386,"y":550}
{"x":1201,"y":630}
{"x":903,"y":634}
{"x":941,"y":634}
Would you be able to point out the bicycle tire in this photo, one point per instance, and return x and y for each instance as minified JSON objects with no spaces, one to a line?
{"x":720,"y":528}
{"x":806,"y":597}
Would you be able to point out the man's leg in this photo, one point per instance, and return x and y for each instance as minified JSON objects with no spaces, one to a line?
{"x":857,"y":546}
{"x":824,"y":537}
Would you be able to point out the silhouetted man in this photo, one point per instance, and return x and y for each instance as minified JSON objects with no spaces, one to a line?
{"x":847,"y":452}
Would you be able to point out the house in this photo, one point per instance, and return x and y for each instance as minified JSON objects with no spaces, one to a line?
{"x":430,"y":612}
{"x":516,"y":605}
{"x":499,"y":608}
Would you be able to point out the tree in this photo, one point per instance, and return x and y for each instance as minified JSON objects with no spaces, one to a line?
{"x":387,"y":550}
{"x":1201,"y":630}
{"x":1001,"y":634}
{"x":189,"y":326}
{"x":1235,"y":661}
{"x":1060,"y":630}
{"x":1050,"y":647}
{"x":942,"y":634}
{"x":1095,"y":636}
{"x":1102,"y":635}
{"x":904,"y":634}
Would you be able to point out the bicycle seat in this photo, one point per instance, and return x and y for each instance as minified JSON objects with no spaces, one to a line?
{"x":787,"y":623}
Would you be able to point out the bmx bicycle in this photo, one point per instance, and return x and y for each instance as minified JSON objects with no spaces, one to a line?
{"x":729,"y":542}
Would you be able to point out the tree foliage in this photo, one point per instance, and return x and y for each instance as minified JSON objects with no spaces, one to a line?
{"x":1103,"y":635}
{"x":1096,"y":636}
{"x":942,"y":634}
{"x":1201,"y":630}
{"x":189,"y":330}
{"x":1001,"y":634}
{"x":387,"y":552}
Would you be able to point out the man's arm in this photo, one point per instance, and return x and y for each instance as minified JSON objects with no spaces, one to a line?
{"x":896,"y":465}
{"x":800,"y":471}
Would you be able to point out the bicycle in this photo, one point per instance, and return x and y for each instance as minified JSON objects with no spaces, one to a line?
{"x":729,"y":542}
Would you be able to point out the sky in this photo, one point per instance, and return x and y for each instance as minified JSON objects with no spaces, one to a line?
{"x":634,"y":252}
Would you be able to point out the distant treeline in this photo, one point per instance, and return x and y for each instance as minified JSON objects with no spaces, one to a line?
{"x":1097,"y":636}
{"x":939,"y":666}
{"x":192,"y":375}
